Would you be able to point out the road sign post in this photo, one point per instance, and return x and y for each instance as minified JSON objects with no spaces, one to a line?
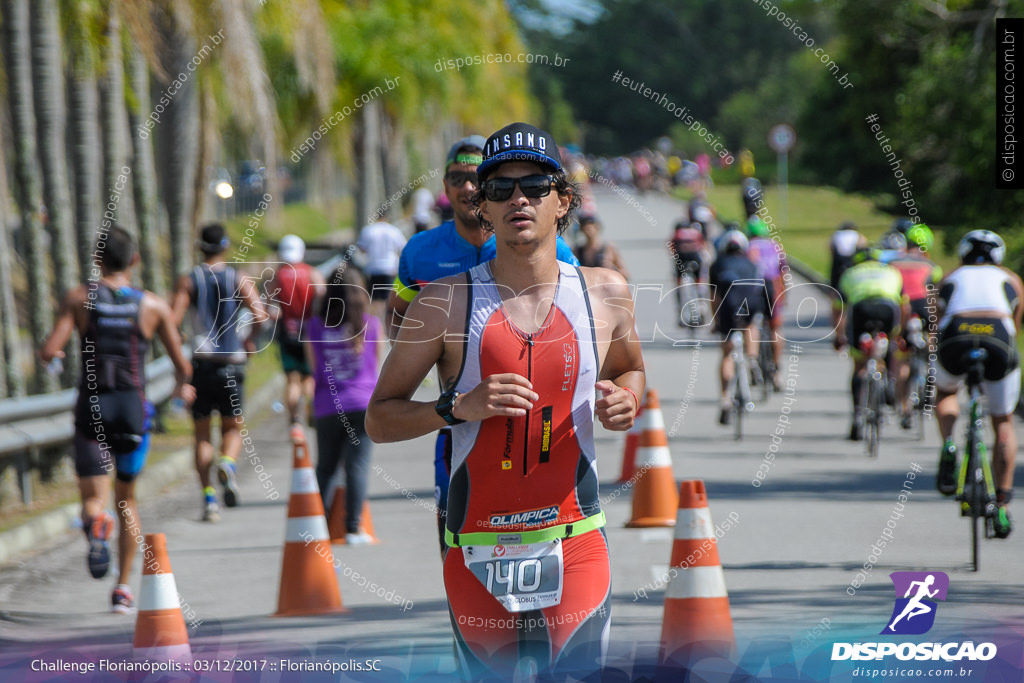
{"x":781,"y":139}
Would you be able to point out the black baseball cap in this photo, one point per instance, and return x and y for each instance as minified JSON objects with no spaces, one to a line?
{"x":520,"y":142}
{"x":469,"y":142}
{"x":213,"y":239}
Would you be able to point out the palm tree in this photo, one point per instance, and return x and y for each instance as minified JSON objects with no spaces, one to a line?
{"x":50,"y":116}
{"x":114,"y":122}
{"x":79,"y":16}
{"x":177,"y":132}
{"x":10,"y":356}
{"x":17,"y":55}
{"x":144,"y":171}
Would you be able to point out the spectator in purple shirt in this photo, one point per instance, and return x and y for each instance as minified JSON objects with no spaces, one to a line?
{"x":343,"y":345}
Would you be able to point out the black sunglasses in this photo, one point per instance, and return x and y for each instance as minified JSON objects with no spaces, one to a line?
{"x":533,"y":186}
{"x":460,"y":178}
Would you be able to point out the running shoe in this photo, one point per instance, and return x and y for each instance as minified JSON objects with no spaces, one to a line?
{"x":297,"y":434}
{"x":358,"y":539}
{"x":945,"y":482}
{"x":100,"y":529}
{"x":211,"y":511}
{"x":725,"y":416}
{"x":226,"y":477}
{"x":907,"y":421}
{"x":1001,"y":523}
{"x":121,"y":600}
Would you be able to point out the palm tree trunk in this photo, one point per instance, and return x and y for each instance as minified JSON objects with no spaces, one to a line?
{"x":10,"y":355}
{"x":50,"y":119}
{"x":367,"y":172}
{"x":117,"y":178}
{"x":178,"y":144}
{"x":17,"y":54}
{"x":144,"y":170}
{"x":85,"y":151}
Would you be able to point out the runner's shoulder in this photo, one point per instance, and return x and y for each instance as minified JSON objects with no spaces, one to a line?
{"x":611,"y":281}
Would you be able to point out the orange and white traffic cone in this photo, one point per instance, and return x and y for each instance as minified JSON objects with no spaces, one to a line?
{"x":336,"y":523}
{"x":309,"y":584}
{"x":160,"y":632}
{"x":696,"y":602}
{"x":632,"y":440}
{"x":655,"y":498}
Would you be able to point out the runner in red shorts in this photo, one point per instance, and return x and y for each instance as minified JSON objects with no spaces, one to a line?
{"x":523,"y":342}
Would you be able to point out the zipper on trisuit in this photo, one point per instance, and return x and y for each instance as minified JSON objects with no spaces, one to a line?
{"x":529,"y":376}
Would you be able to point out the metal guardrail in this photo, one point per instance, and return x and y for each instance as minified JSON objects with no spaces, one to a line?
{"x":30,"y":423}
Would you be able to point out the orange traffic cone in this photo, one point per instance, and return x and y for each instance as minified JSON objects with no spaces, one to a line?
{"x":632,"y":439}
{"x":308,"y":582}
{"x":336,"y":524}
{"x":654,"y":494}
{"x":696,"y":602}
{"x":160,"y":632}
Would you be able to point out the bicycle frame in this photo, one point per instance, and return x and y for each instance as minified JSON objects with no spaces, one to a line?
{"x":739,"y":386}
{"x":975,"y":488}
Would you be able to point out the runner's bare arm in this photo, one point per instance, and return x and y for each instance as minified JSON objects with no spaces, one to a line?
{"x":392,"y":415}
{"x":396,"y":310}
{"x":64,"y":326}
{"x":168,"y":333}
{"x":181,"y":299}
{"x":623,"y":364}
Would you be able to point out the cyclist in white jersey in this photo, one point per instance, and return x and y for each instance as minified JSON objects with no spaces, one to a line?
{"x":981,"y":307}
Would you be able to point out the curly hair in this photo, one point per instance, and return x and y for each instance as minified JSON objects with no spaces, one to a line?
{"x":563,"y":186}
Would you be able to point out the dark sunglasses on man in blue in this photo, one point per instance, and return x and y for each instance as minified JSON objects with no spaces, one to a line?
{"x":460,"y":178}
{"x":533,"y":186}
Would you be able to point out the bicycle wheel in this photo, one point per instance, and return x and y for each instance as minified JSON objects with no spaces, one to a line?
{"x":764,"y":360}
{"x":974,"y":492}
{"x":876,"y":397}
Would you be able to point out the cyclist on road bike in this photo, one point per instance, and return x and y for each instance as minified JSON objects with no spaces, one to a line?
{"x":769,"y":258}
{"x":872,"y":302}
{"x":844,"y":244}
{"x":687,"y":248}
{"x":921,"y":278}
{"x":739,"y":293}
{"x":981,"y":304}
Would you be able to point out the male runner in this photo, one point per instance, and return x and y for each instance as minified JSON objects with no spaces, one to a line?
{"x":523,"y":342}
{"x":295,"y":285}
{"x":115,"y":324}
{"x":453,"y":247}
{"x":214,"y":292}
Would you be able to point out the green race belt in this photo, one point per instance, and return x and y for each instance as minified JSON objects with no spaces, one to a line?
{"x":524,"y":537}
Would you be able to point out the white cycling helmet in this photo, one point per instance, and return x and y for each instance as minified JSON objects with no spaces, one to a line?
{"x":893,"y":241}
{"x":981,"y":246}
{"x":734,"y":240}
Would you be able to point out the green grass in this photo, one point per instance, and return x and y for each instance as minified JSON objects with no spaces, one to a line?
{"x":309,"y":222}
{"x":812,"y":215}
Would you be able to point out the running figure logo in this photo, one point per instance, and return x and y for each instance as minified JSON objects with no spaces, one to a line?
{"x":914,"y":612}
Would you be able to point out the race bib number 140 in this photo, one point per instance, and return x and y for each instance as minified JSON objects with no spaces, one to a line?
{"x":520,"y":577}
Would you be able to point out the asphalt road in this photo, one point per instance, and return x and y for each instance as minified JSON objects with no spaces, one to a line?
{"x":791,"y":559}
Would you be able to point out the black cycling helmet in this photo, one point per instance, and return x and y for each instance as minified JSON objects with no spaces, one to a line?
{"x":981,"y":246}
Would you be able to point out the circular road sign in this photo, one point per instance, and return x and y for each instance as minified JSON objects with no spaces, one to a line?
{"x":781,"y":138}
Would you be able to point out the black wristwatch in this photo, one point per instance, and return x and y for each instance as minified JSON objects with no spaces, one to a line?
{"x":444,"y":407}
